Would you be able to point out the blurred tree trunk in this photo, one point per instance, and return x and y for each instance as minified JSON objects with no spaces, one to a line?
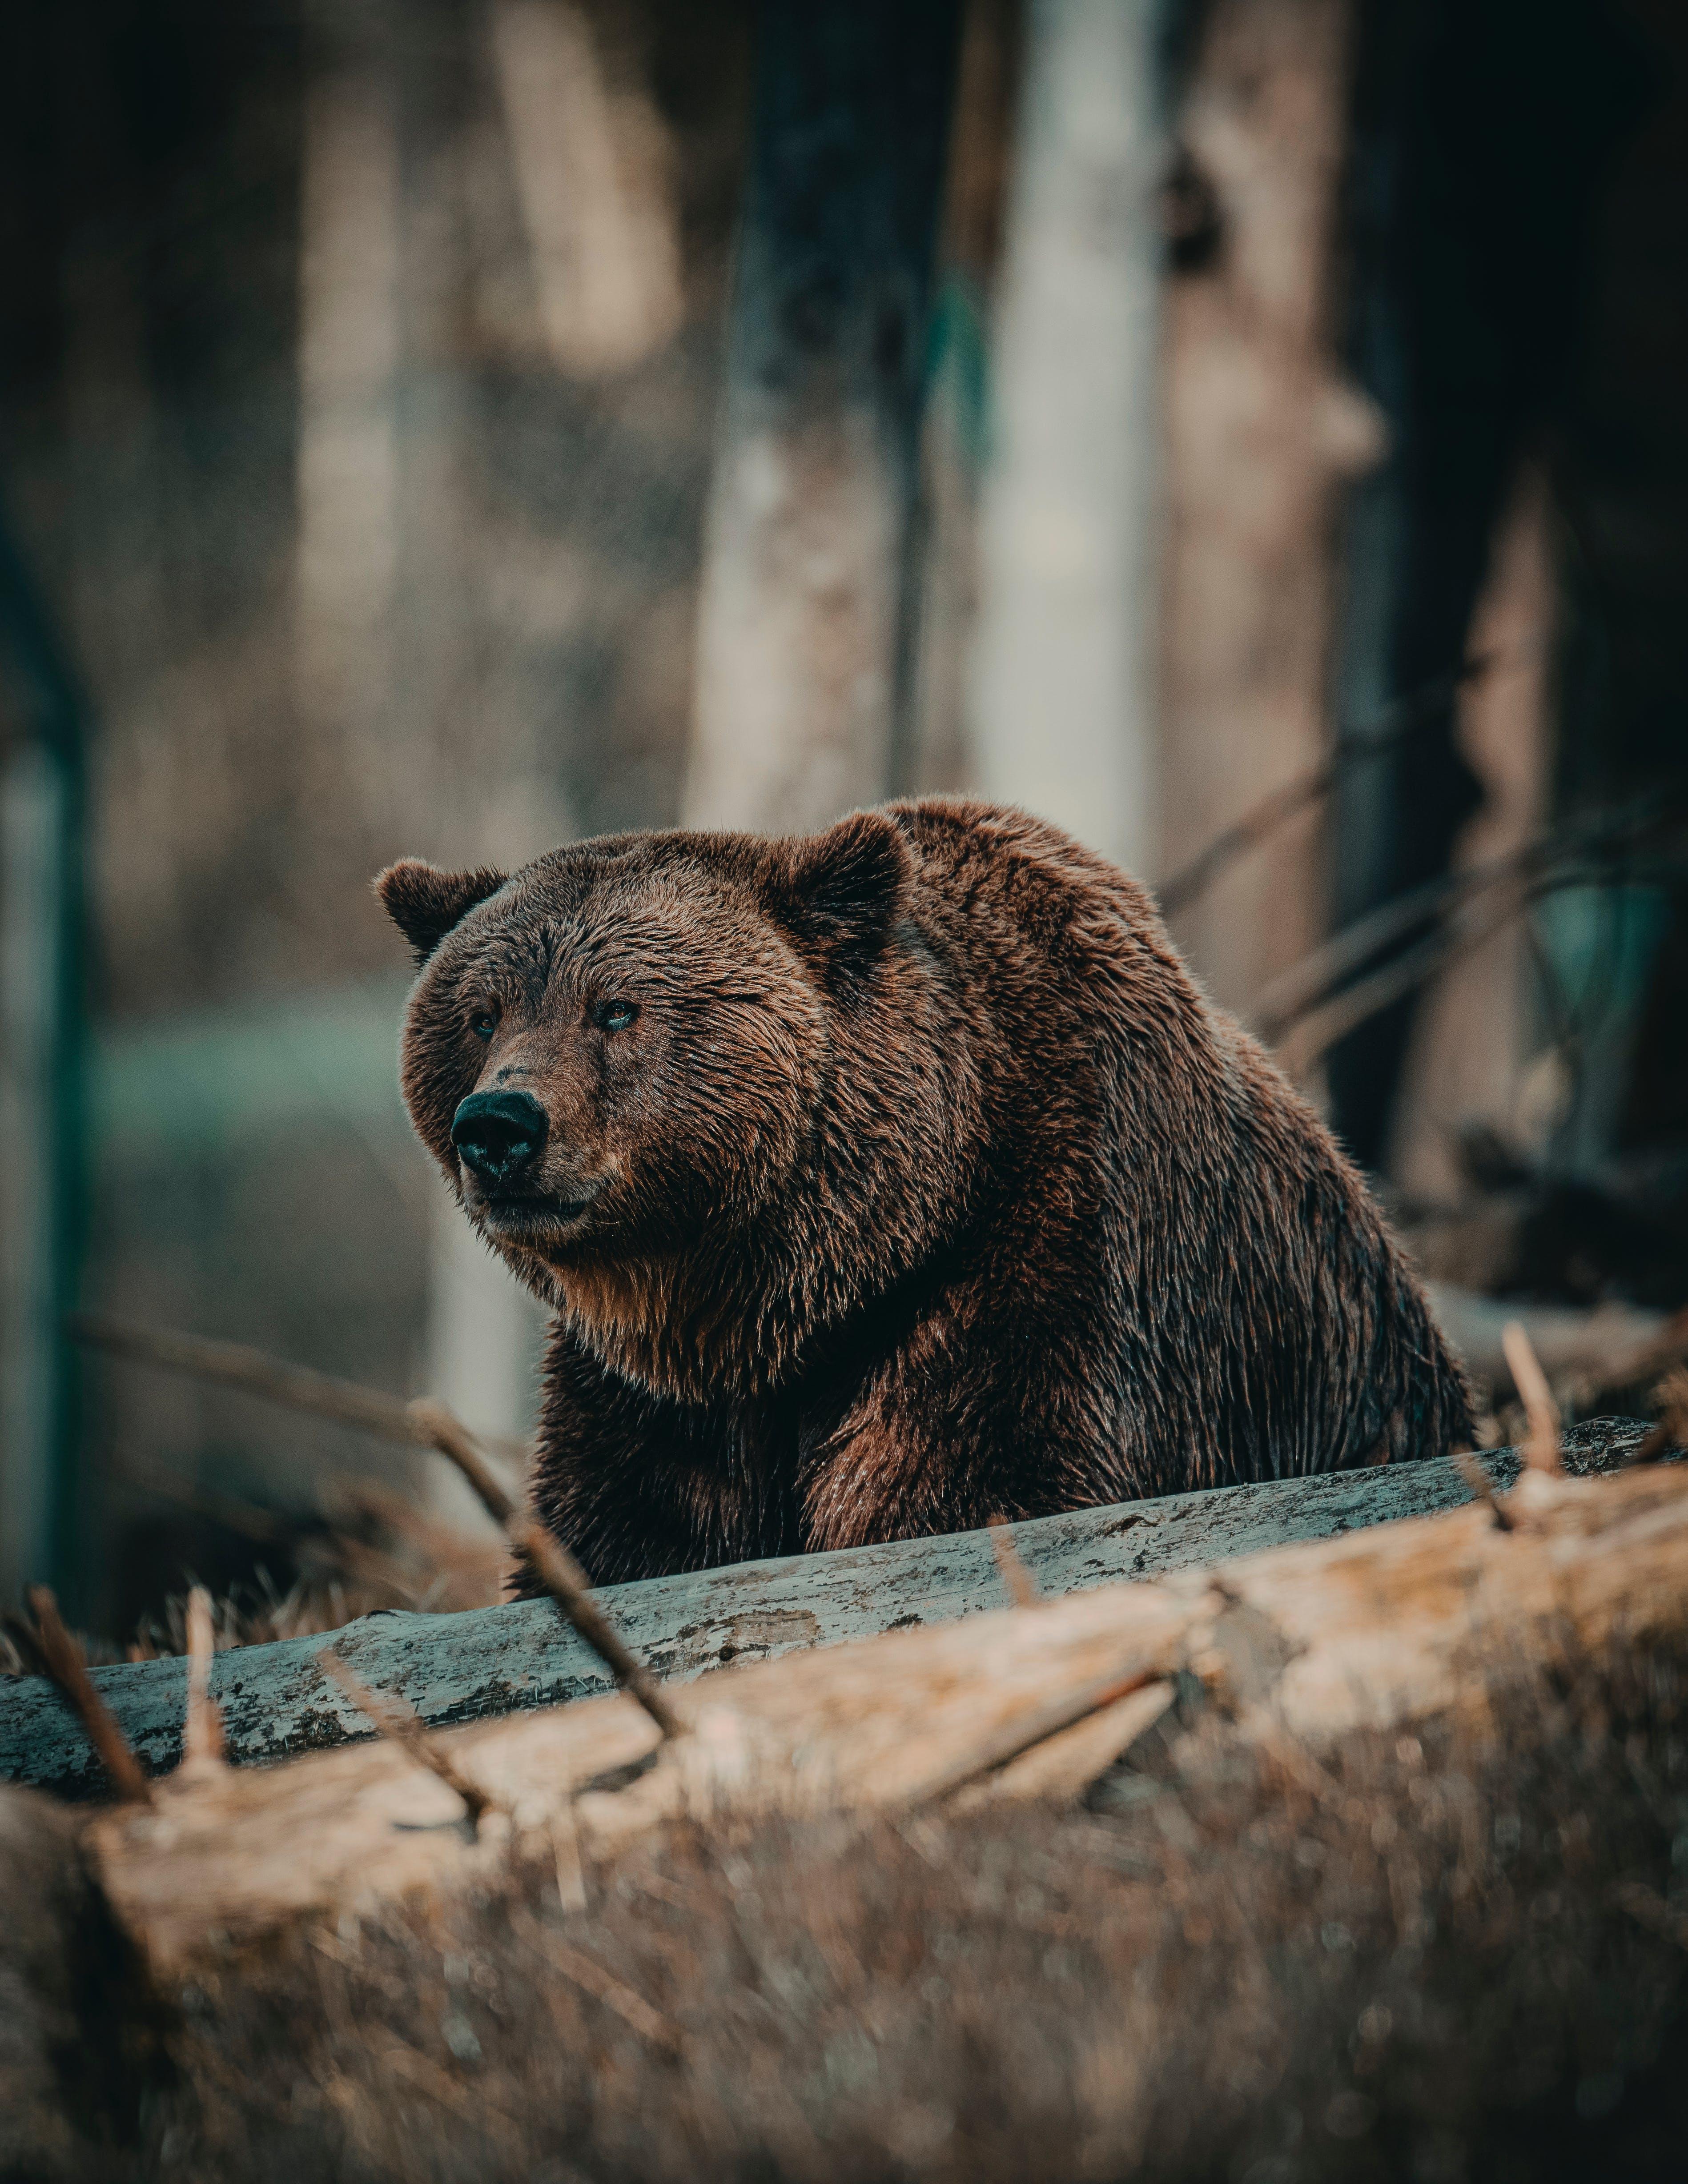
{"x":1061,"y":714}
{"x":805,"y":640}
{"x":1261,"y":431}
{"x":1483,"y":136}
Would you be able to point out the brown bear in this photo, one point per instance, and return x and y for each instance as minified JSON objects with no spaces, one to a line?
{"x":888,"y":1179}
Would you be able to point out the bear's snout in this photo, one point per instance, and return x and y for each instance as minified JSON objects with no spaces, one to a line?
{"x":499,"y":1134}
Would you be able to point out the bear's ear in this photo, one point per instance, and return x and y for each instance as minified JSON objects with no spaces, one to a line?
{"x":425,"y":903}
{"x":843,"y":891}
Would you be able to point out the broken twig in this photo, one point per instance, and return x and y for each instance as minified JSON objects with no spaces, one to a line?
{"x":396,"y":1721}
{"x":201,"y":1729}
{"x":423,"y":1423}
{"x":584,"y":1972}
{"x":63,"y":1660}
{"x":436,"y":1428}
{"x":1023,"y":1589}
{"x":1541,"y":1449}
{"x":566,"y":1582}
{"x":299,"y":1387}
{"x":1478,"y":1480}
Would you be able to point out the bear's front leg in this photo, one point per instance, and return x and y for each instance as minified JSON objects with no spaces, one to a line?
{"x":636,"y":1484}
{"x":989,"y":1406}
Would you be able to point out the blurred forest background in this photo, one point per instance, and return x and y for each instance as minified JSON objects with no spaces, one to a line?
{"x":1251,"y":432}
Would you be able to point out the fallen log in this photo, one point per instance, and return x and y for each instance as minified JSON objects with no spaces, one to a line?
{"x":1296,"y":1647}
{"x":490,"y":1661}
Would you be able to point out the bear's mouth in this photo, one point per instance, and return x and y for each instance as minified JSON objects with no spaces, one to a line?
{"x":527,"y":1215}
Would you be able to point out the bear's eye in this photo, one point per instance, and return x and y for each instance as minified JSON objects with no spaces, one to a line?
{"x":613,"y":1016}
{"x":483,"y":1023}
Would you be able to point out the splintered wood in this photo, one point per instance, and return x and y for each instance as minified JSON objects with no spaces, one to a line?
{"x":1298,"y":1644}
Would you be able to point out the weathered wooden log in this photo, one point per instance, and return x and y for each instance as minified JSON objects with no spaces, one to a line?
{"x":1296,"y":1647}
{"x":492,"y":1661}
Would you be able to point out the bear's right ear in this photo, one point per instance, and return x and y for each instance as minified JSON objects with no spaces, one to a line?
{"x":426,"y":903}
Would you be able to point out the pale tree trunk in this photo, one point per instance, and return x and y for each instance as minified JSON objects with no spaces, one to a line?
{"x":347,"y":462}
{"x":803,"y":641}
{"x":384,"y":576}
{"x":1263,"y":431}
{"x":1466,"y":1062}
{"x":1062,"y":707}
{"x":591,"y":167}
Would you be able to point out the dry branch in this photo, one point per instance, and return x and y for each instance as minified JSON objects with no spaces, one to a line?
{"x":566,"y":1582}
{"x":436,"y":1428}
{"x":423,"y":1423}
{"x":63,"y":1660}
{"x":494,"y":1661}
{"x":1319,"y":985}
{"x":590,"y":1977}
{"x":1380,"y":1628}
{"x":201,"y":1733}
{"x":297,"y":1387}
{"x":396,"y":1722}
{"x":1478,"y":1480}
{"x":1427,"y":707}
{"x":1541,"y":1449}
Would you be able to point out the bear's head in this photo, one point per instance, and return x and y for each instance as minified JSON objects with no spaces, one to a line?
{"x":623,"y":1053}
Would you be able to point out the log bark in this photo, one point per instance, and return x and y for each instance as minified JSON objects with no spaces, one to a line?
{"x":495,"y":1661}
{"x":1294,"y":1648}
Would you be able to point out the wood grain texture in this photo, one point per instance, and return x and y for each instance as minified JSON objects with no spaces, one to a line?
{"x":495,"y":1661}
{"x":1293,"y":1648}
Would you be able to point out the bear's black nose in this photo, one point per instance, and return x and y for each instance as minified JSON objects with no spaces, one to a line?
{"x":499,"y":1134}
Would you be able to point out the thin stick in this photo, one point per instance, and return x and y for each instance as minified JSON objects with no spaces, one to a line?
{"x":435,"y":1426}
{"x":235,"y":1365}
{"x":565,"y":1581}
{"x":1541,"y":1449}
{"x":1478,"y":1480}
{"x":201,"y":1729}
{"x":69,"y":1669}
{"x":396,"y":1721}
{"x":582,"y":1971}
{"x":1313,"y":980}
{"x":1306,"y":1035}
{"x":1034,"y":1728}
{"x":1409,"y":716}
{"x":423,"y":1424}
{"x":1022,"y":1588}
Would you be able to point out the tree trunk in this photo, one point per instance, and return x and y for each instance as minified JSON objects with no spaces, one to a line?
{"x":1062,"y":711}
{"x":804,"y":641}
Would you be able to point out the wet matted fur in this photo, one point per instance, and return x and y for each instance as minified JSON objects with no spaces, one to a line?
{"x":894,"y":1178}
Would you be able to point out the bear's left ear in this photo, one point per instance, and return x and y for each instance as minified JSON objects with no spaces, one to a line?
{"x":426,"y":903}
{"x":843,"y":890}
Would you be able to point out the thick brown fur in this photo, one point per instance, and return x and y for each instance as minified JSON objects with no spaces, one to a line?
{"x":926,"y":1184}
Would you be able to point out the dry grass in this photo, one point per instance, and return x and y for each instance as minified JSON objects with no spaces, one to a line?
{"x":1460,"y":1956}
